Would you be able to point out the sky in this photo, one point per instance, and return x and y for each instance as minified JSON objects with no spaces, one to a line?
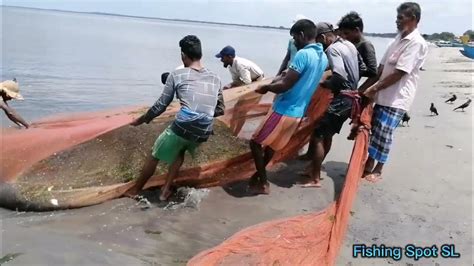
{"x":379,"y":15}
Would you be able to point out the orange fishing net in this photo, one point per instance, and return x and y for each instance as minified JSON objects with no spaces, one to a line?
{"x":311,"y":239}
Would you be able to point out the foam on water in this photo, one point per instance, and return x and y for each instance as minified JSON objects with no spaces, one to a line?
{"x":191,"y":198}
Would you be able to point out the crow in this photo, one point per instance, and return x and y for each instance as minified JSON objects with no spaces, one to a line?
{"x":452,"y":99}
{"x":406,"y":118}
{"x":433,"y":109}
{"x":464,"y":105}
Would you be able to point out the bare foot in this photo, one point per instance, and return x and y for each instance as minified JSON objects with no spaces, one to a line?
{"x":312,"y":183}
{"x":366,"y":173}
{"x":373,"y":178}
{"x":307,"y":171}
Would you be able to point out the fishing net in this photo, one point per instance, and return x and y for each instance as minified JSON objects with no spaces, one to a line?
{"x":86,"y":159}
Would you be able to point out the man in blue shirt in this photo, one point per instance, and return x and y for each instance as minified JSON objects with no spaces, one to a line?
{"x":290,"y":50}
{"x":294,"y":93}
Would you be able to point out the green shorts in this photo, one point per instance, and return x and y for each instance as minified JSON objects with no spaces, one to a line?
{"x":169,"y":145}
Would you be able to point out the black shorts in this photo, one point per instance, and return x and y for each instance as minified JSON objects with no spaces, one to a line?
{"x":338,"y":112}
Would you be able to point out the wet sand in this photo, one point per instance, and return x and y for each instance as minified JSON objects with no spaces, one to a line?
{"x":425,"y":198}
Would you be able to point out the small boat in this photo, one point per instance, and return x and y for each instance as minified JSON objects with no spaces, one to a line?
{"x":443,"y":44}
{"x":449,"y":44}
{"x":468,"y":51}
{"x":86,"y":159}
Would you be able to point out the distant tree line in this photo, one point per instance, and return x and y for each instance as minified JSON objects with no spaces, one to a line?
{"x":447,"y":36}
{"x":382,"y":35}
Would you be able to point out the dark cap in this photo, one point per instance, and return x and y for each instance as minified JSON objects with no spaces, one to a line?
{"x":228,"y":50}
{"x":324,"y":27}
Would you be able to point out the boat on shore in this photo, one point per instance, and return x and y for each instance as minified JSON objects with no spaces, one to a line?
{"x":468,"y":51}
{"x":448,"y":44}
{"x":88,"y":159}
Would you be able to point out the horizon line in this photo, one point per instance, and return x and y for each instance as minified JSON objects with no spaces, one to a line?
{"x":385,"y":34}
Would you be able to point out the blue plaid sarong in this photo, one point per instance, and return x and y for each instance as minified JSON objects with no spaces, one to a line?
{"x":384,"y":121}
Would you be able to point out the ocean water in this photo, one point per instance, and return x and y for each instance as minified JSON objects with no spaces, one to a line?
{"x":69,"y":62}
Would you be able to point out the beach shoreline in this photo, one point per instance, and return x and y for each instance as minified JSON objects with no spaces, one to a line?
{"x":416,"y":203}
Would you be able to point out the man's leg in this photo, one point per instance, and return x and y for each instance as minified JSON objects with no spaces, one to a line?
{"x":309,"y":153}
{"x":378,"y":168}
{"x":267,"y":156}
{"x":376,"y":174}
{"x":327,"y":145}
{"x":147,"y":171}
{"x":384,"y":122}
{"x":317,"y":161}
{"x":172,"y":174}
{"x":327,"y":142}
{"x":369,"y":166}
{"x":261,"y":157}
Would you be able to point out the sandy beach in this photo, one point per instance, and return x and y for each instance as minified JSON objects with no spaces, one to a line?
{"x":424,"y":199}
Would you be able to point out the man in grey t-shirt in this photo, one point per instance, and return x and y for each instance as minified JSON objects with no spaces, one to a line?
{"x":200,"y":95}
{"x":344,"y":63}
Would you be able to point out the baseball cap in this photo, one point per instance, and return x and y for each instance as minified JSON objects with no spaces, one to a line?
{"x":228,"y":50}
{"x":324,"y":27}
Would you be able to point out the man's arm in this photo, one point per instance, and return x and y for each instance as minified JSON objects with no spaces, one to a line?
{"x":235,"y":79}
{"x":244,"y":74}
{"x":336,"y":81}
{"x":386,"y":82}
{"x":409,"y":60}
{"x":13,"y":116}
{"x":371,"y":81}
{"x":367,"y":51}
{"x":280,"y":85}
{"x":160,"y":105}
{"x":284,"y":63}
{"x":220,"y":107}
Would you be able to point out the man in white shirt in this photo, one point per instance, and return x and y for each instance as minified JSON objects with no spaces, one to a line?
{"x":393,"y":89}
{"x":243,"y":71}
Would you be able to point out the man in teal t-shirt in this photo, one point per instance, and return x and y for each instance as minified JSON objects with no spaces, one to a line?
{"x":290,"y":50}
{"x":294,"y":92}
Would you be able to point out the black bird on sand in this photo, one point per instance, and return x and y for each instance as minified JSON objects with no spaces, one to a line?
{"x":464,"y":105}
{"x":406,"y":117}
{"x":452,"y":99}
{"x":433,"y":109}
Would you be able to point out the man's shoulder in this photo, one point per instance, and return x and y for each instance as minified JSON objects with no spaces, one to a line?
{"x":364,"y":43}
{"x":336,"y":49}
{"x":339,"y":45}
{"x":210,"y":73}
{"x":350,"y":46}
{"x":242,"y":61}
{"x":184,"y":73}
{"x":420,"y":40}
{"x":180,"y":71}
